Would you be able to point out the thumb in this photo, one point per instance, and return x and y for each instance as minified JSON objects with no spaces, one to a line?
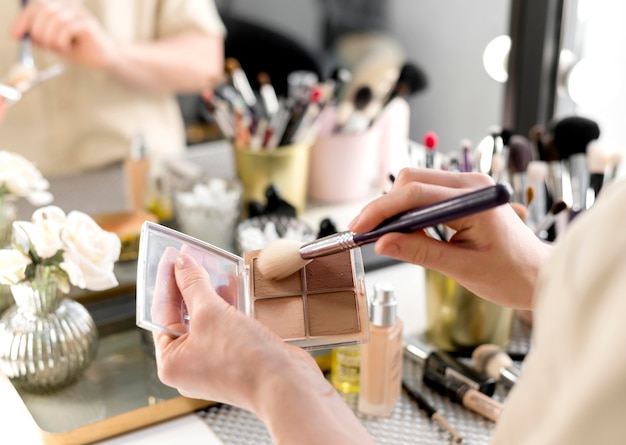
{"x":193,"y":281}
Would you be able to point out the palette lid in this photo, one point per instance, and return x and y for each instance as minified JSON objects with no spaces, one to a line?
{"x":160,"y":306}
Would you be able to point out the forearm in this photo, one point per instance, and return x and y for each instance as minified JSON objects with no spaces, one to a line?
{"x":301,"y":406}
{"x":186,"y":63}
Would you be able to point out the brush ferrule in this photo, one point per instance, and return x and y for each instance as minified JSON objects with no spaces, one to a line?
{"x":328,"y":245}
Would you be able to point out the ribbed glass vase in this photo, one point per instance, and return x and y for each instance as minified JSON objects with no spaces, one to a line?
{"x":8,"y":214}
{"x":47,"y":340}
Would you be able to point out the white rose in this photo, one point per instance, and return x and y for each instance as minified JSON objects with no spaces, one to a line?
{"x":21,"y":178}
{"x":12,"y":266}
{"x":90,"y":253}
{"x":43,"y":233}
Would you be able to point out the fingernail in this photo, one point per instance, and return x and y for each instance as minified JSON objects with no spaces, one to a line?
{"x":185,"y":261}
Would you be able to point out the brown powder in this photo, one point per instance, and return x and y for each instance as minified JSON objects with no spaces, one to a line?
{"x":285,"y":316}
{"x":330,"y":272}
{"x":333,"y":313}
{"x":264,"y":288}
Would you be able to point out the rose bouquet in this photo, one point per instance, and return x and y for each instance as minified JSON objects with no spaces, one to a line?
{"x":73,"y":249}
{"x":49,"y":254}
{"x":19,"y":178}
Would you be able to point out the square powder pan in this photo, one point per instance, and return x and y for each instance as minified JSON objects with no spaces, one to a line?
{"x":160,"y":308}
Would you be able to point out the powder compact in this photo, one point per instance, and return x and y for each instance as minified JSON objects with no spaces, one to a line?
{"x":321,"y":306}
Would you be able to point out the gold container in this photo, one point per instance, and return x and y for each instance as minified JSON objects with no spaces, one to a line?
{"x":286,"y":167}
{"x":457,"y":319}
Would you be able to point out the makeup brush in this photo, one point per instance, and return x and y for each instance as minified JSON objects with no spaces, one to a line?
{"x":282,"y":258}
{"x":497,"y":364}
{"x":542,"y":227}
{"x":358,"y":120}
{"x":240,"y":82}
{"x":341,"y":77}
{"x":530,"y":194}
{"x":410,"y":81}
{"x":571,"y":137}
{"x":597,"y":162}
{"x":520,"y":155}
{"x":615,"y":158}
{"x":268,"y":94}
{"x":430,"y":142}
{"x":466,"y":153}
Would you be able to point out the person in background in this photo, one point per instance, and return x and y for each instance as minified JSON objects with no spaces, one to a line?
{"x":572,"y":389}
{"x":124,"y":63}
{"x":3,"y":109}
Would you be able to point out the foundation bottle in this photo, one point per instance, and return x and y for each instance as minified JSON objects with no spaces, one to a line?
{"x":136,"y":173}
{"x":381,"y":358}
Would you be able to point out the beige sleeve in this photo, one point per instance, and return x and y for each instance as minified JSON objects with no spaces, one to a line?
{"x":573,"y":385}
{"x":175,"y":16}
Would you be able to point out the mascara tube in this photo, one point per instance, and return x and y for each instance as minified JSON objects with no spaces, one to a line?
{"x":448,"y":367}
{"x":460,"y":392}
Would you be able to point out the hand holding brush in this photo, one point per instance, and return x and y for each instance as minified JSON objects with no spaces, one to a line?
{"x":282,"y":258}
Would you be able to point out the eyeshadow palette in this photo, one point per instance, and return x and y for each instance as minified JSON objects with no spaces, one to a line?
{"x":323,"y":300}
{"x":321,"y":306}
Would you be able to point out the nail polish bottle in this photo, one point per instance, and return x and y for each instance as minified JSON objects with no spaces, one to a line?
{"x":381,"y":358}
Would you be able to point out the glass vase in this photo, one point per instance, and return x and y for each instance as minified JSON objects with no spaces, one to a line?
{"x":47,"y":340}
{"x":8,"y":214}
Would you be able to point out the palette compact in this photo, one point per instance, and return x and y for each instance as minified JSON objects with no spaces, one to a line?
{"x":321,"y":306}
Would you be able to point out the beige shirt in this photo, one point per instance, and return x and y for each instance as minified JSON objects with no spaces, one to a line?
{"x":86,"y":119}
{"x":573,"y":389}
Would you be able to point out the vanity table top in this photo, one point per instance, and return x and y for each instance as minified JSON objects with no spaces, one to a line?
{"x":215,"y":425}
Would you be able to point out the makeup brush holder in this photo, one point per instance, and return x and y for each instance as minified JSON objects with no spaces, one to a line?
{"x":285,"y":167}
{"x":347,"y":166}
{"x":457,"y":319}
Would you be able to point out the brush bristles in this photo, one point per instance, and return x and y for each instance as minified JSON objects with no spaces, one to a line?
{"x":596,"y":158}
{"x":489,"y":359}
{"x":280,"y":259}
{"x":537,"y":171}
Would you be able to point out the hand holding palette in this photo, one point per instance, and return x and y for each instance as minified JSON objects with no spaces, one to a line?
{"x":322,"y":305}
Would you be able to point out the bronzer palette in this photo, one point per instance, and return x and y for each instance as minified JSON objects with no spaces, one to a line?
{"x":324,"y":301}
{"x":321,"y":306}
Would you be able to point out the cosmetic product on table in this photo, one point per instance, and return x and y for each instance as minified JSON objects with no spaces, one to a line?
{"x":494,"y":362}
{"x":126,"y":224}
{"x":320,"y":306}
{"x":381,"y":357}
{"x":431,"y":412}
{"x":447,"y":366}
{"x":460,"y":392}
{"x":345,"y":369}
{"x":452,"y":379}
{"x":283,"y":257}
{"x":136,"y":173}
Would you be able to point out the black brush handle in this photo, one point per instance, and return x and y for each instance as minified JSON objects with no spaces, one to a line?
{"x":439,"y":213}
